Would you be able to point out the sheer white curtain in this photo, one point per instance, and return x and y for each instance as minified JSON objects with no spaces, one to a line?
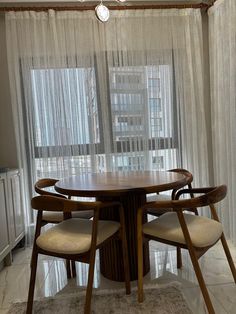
{"x":125,"y":95}
{"x":222,"y":31}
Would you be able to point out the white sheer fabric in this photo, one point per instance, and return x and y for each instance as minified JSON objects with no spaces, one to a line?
{"x":222,"y":31}
{"x":125,"y":95}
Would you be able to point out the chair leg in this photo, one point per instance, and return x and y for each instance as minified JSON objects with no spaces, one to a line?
{"x":89,"y":289}
{"x":125,"y":262}
{"x":179,"y":257}
{"x":140,"y":258}
{"x":73,"y":269}
{"x":33,"y":264}
{"x":125,"y":251}
{"x":228,"y":255}
{"x":201,"y":282}
{"x":68,"y":270}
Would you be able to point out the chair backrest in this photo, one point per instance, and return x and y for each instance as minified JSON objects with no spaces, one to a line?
{"x":185,"y":172}
{"x":210,"y":196}
{"x":189,"y":178}
{"x":41,"y":184}
{"x":55,"y":203}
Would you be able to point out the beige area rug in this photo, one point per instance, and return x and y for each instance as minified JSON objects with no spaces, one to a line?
{"x":161,"y":300}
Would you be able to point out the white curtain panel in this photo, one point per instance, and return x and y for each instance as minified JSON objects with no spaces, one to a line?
{"x":92,"y":97}
{"x":222,"y":34}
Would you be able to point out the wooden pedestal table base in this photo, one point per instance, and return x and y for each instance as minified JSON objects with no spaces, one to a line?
{"x":111,"y":255}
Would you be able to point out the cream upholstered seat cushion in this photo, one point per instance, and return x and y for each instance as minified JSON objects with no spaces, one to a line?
{"x":55,"y":217}
{"x":203,"y":231}
{"x":73,"y":236}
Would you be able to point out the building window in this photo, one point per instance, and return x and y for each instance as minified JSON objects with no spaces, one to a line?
{"x":154,"y":83}
{"x":155,"y":106}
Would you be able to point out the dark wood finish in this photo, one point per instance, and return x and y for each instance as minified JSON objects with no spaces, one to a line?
{"x":129,"y":188}
{"x":179,"y":257}
{"x":82,"y":7}
{"x":40,"y":188}
{"x":194,"y":259}
{"x":209,"y":198}
{"x":42,"y":203}
{"x":110,"y":262}
{"x":120,"y":183}
{"x":160,"y":211}
{"x":44,"y":183}
{"x":33,"y":264}
{"x":224,"y":244}
{"x":175,"y":193}
{"x":123,"y":234}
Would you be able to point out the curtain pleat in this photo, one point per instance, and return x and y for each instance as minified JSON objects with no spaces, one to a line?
{"x":122,"y":96}
{"x":222,"y":35}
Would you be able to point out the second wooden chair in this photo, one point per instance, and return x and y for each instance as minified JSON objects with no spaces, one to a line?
{"x":75,"y":239}
{"x":195,"y":233}
{"x":157,"y":212}
{"x":45,"y":186}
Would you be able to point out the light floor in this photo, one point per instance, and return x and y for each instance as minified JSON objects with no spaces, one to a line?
{"x":51,"y":278}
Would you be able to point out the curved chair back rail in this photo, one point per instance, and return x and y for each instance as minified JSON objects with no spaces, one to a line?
{"x":54,"y":203}
{"x":55,"y":216}
{"x":41,"y":184}
{"x":184,"y":230}
{"x":210,"y":196}
{"x":189,"y":177}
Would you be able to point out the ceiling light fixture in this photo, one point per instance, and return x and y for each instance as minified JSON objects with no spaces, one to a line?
{"x":102,"y":12}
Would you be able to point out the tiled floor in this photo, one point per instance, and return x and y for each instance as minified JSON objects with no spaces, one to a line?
{"x":51,"y":278}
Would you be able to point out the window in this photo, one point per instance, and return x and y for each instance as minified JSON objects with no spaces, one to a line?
{"x":128,"y":162}
{"x":155,"y":105}
{"x":158,"y":162}
{"x":73,"y":105}
{"x":154,"y":83}
{"x":69,"y":119}
{"x":156,"y":126}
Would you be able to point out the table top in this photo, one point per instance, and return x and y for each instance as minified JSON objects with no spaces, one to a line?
{"x":118,"y":183}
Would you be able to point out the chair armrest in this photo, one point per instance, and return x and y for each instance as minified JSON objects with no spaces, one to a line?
{"x":193,"y":191}
{"x":209,"y":197}
{"x":176,"y":205}
{"x":52,"y":203}
{"x":52,"y":194}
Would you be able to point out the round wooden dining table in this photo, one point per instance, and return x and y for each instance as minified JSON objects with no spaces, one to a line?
{"x":130,"y":188}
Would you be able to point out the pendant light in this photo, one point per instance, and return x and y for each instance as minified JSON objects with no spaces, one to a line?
{"x":102,"y":12}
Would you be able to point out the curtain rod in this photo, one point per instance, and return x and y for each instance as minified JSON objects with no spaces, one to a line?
{"x":111,"y":7}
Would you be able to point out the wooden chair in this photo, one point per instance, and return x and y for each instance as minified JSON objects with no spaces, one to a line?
{"x":55,"y":216}
{"x":154,"y":211}
{"x":42,"y":188}
{"x":162,"y":197}
{"x":194,"y":233}
{"x":75,"y":238}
